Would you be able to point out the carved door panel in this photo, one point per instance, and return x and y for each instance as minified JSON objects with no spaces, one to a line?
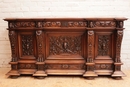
{"x":104,"y":45}
{"x":64,"y":44}
{"x":27,"y":44}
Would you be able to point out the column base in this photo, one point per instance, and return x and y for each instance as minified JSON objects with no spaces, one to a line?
{"x":40,"y":73}
{"x":118,"y":74}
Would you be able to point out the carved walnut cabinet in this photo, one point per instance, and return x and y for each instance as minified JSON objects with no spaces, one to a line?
{"x":66,"y":46}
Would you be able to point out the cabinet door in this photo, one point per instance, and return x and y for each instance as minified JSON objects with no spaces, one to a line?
{"x":27,"y":44}
{"x":104,"y":45}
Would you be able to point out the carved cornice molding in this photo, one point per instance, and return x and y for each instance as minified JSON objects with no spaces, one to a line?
{"x":68,"y":23}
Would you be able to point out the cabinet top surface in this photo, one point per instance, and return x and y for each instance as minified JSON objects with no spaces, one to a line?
{"x":94,"y":18}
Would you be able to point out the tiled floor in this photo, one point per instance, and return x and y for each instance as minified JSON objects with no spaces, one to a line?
{"x":62,"y":81}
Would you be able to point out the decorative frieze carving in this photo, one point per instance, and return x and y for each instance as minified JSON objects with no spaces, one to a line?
{"x":13,"y":43}
{"x":103,"y":45}
{"x":27,"y":44}
{"x":93,"y":24}
{"x":62,"y":24}
{"x":90,"y":24}
{"x":27,"y":66}
{"x":103,"y":66}
{"x":65,"y":44}
{"x":21,"y":24}
{"x":65,"y":66}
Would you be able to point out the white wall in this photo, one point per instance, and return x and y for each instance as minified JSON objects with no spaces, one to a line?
{"x":63,"y":8}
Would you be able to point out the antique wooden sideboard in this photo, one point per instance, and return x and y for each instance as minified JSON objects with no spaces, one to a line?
{"x":66,"y":46}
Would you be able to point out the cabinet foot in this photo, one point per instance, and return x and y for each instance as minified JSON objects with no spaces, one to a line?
{"x":117,"y":78}
{"x":40,"y":77}
{"x":13,"y":77}
{"x":90,"y":78}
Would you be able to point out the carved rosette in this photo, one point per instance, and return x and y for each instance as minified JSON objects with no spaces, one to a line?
{"x":27,"y":45}
{"x":103,"y":45}
{"x":65,"y":44}
{"x":13,"y":43}
{"x":118,"y":45}
{"x":39,"y":38}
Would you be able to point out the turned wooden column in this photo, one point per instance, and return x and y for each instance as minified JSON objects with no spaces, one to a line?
{"x":90,"y":58}
{"x":40,"y":58}
{"x":14,"y":61}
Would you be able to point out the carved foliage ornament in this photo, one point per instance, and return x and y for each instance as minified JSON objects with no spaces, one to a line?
{"x":27,"y":44}
{"x":103,"y":45}
{"x":65,"y":44}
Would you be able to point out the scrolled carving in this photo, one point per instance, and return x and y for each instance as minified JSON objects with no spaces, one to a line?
{"x":77,"y":24}
{"x":65,"y":44}
{"x":105,"y":24}
{"x":21,"y":24}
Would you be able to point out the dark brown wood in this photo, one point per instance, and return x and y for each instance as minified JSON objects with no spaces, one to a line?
{"x":66,"y":46}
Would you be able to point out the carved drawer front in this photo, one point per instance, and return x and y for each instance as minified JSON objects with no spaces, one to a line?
{"x":104,"y":66}
{"x":27,"y":45}
{"x":27,"y":66}
{"x":65,"y":64}
{"x":103,"y":45}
